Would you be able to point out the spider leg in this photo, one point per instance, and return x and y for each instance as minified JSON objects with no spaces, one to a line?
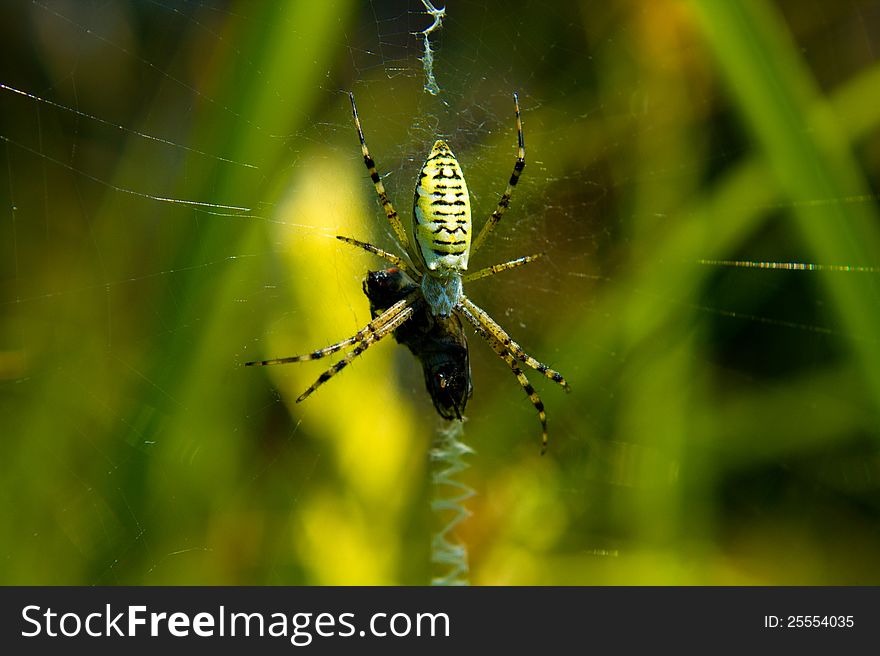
{"x":498,"y":268}
{"x":390,"y":212}
{"x":400,"y":263}
{"x":483,"y":322}
{"x":514,"y":178}
{"x":376,"y":325}
{"x":502,"y":351}
{"x":364,"y":344}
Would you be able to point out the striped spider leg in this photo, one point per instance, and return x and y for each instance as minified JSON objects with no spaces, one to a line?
{"x":370,"y":163}
{"x":373,"y":332}
{"x":505,"y":355}
{"x":399,"y":313}
{"x":474,"y":313}
{"x":498,"y":268}
{"x":518,"y":167}
{"x":511,"y":352}
{"x":399,"y":262}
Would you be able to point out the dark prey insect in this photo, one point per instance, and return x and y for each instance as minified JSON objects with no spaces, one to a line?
{"x":437,"y":266}
{"x":439,"y":343}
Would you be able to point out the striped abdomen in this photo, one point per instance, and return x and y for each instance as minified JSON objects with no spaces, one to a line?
{"x":442,"y":213}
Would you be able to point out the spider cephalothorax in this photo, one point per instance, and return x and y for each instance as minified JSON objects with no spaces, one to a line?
{"x":424,"y":309}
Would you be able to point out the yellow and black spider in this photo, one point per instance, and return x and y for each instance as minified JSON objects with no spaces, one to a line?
{"x":438,"y":260}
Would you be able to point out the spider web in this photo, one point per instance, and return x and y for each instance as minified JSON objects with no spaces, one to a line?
{"x":174,"y":177}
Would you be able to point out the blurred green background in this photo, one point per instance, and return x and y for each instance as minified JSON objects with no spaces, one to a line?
{"x":723,"y":425}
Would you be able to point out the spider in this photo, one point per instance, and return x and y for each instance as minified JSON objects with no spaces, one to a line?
{"x":437,"y":265}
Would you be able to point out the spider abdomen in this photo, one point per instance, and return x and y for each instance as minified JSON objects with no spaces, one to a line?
{"x":442,"y":213}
